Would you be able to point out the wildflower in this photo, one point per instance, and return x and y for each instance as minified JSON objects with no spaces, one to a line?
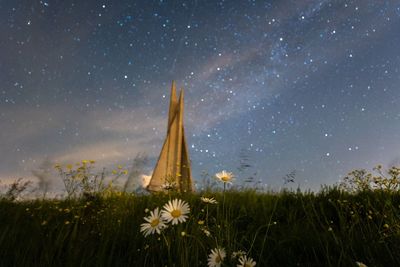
{"x":125,"y":172}
{"x":238,"y":253}
{"x":169,"y":186}
{"x":67,"y":222}
{"x":154,"y":223}
{"x":84,"y":162}
{"x":224,"y":176}
{"x":206,"y":232}
{"x":92,"y":161}
{"x":183,"y":233}
{"x":209,"y":200}
{"x":216,"y":257}
{"x":175,"y":211}
{"x":245,"y":261}
{"x":200,"y":222}
{"x":360,"y":264}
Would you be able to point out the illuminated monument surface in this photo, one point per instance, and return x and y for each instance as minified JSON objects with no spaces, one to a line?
{"x":173,"y":165}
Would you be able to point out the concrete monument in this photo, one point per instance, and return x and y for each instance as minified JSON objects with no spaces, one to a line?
{"x":173,"y":165}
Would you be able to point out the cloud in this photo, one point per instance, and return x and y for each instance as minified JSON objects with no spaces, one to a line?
{"x":117,"y":137}
{"x":107,"y":137}
{"x":145,"y":179}
{"x":137,"y":122}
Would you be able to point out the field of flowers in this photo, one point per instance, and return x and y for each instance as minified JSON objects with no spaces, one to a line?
{"x":330,"y":228}
{"x":334,"y":227}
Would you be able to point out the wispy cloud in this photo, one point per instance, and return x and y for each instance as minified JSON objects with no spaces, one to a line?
{"x":113,"y":138}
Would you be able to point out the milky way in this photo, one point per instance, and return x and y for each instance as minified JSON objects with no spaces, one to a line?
{"x":281,"y":86}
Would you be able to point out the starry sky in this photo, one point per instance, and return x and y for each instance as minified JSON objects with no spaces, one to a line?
{"x":276,"y":86}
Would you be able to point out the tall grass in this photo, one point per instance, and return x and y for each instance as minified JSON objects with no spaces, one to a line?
{"x":329,"y":228}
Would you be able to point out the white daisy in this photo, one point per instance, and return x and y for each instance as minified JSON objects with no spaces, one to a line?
{"x":175,"y":211}
{"x":206,"y":232}
{"x":169,"y":186}
{"x":209,"y":200}
{"x":224,"y":176}
{"x":238,"y":253}
{"x":245,"y":261}
{"x":154,"y":223}
{"x":216,"y":257}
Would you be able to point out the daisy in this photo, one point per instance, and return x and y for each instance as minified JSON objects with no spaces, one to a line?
{"x":169,"y":186}
{"x":154,"y":223}
{"x":224,"y":176}
{"x":205,"y":231}
{"x":175,"y":211}
{"x":209,"y":200}
{"x":216,"y":257}
{"x":238,"y":253}
{"x":245,"y":261}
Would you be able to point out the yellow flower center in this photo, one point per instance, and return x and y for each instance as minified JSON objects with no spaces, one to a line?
{"x":217,"y":259}
{"x":176,"y":213}
{"x":154,"y":222}
{"x":225,"y":178}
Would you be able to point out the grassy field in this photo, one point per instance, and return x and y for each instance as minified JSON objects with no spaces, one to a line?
{"x":329,"y":228}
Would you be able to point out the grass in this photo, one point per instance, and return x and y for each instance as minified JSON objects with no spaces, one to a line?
{"x":329,"y":228}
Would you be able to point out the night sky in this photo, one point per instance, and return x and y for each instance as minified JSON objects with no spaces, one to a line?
{"x":304,"y":86}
